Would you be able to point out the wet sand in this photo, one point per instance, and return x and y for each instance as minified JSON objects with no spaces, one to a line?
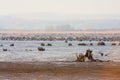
{"x":59,"y":70}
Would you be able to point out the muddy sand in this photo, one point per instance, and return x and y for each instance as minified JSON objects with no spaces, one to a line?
{"x":59,"y":70}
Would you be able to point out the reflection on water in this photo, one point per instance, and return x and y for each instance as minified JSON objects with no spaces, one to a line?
{"x":59,"y":51}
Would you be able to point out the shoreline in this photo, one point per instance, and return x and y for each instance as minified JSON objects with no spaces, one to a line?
{"x":61,"y":70}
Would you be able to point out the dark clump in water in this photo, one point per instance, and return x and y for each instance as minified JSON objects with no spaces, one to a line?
{"x":1,"y":45}
{"x":66,"y":41}
{"x":70,"y":44}
{"x":101,"y":53}
{"x":4,"y":49}
{"x":41,"y":49}
{"x":82,"y":44}
{"x":49,"y":44}
{"x":28,"y":50}
{"x":113,"y":44}
{"x":42,"y":44}
{"x":101,"y":44}
{"x":91,"y":44}
{"x":119,"y":44}
{"x":11,"y":44}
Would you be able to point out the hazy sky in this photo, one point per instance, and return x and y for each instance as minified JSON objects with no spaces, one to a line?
{"x":60,"y":6}
{"x":24,"y":14}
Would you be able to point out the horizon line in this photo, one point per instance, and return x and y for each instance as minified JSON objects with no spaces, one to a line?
{"x":97,"y":31}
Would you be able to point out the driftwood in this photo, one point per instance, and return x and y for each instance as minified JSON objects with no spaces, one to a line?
{"x":80,"y":57}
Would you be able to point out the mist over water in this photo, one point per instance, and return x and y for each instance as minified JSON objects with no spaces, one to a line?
{"x":55,"y":22}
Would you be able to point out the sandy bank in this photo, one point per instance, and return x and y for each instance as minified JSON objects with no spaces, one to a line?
{"x":61,"y":70}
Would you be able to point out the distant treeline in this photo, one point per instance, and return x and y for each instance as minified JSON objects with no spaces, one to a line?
{"x":78,"y":37}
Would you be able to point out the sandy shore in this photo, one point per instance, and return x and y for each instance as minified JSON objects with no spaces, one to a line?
{"x":60,"y":71}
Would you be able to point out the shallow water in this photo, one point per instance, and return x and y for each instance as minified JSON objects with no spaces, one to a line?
{"x":59,"y":51}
